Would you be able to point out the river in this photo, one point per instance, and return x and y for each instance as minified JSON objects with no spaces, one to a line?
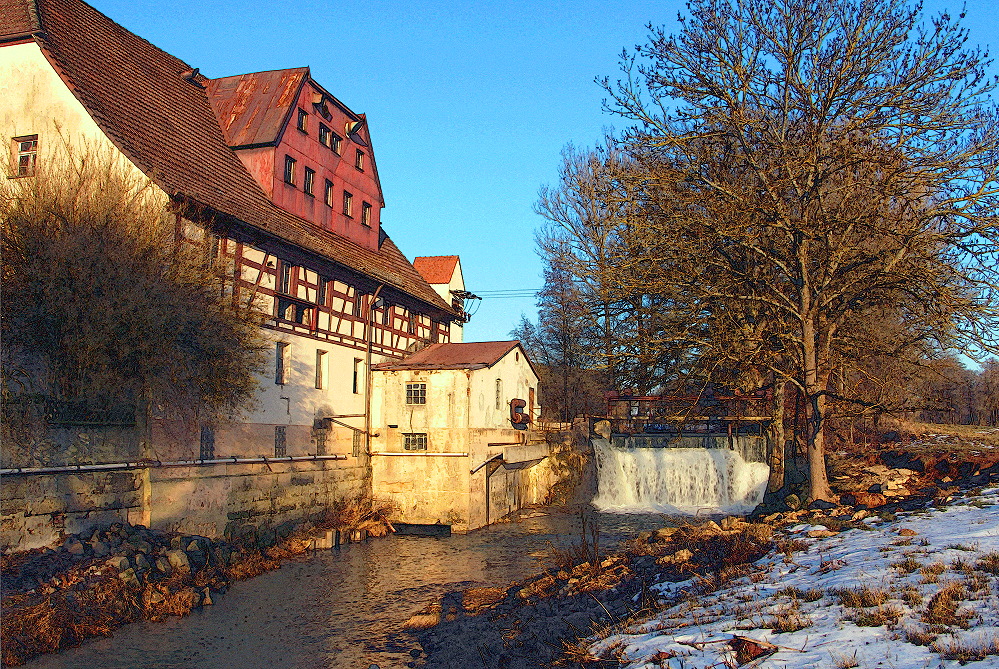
{"x":345,"y":608}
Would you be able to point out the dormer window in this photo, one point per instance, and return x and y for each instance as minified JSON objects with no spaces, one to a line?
{"x":27,"y":154}
{"x":303,"y":120}
{"x":289,"y":170}
{"x":359,"y":160}
{"x":310,"y":180}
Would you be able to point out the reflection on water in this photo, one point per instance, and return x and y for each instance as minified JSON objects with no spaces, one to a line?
{"x":342,"y":609}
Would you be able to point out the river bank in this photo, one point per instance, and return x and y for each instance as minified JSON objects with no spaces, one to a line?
{"x":95,"y":582}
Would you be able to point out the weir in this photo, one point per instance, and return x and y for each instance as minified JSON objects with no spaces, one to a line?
{"x":687,"y":474}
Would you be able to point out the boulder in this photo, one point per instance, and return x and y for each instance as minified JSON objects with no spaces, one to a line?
{"x":178,"y":561}
{"x":867,"y":499}
{"x":119,"y":562}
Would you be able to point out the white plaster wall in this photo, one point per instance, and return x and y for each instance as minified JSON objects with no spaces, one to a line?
{"x":34,"y":100}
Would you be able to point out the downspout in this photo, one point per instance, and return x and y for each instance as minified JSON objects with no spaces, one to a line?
{"x":367,"y":369}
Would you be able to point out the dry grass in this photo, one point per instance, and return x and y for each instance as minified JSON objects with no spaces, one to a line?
{"x":861,"y":597}
{"x":931,"y":572}
{"x":989,"y":563}
{"x":918,"y":636}
{"x":810,"y":595}
{"x":787,"y":619}
{"x":967,"y":650}
{"x":908,"y":565}
{"x":942,"y":608}
{"x":878,"y":617}
{"x":840,"y":661}
{"x":912,"y":596}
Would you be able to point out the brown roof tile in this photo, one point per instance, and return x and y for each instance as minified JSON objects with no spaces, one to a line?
{"x":16,"y":20}
{"x":470,"y":355}
{"x":436,"y":269}
{"x":165,"y":124}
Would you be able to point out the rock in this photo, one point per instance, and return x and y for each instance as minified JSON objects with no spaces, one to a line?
{"x":196,"y":559}
{"x":140,"y":544}
{"x":119,"y":563}
{"x":821,"y":534}
{"x":860,"y":515}
{"x":664,"y":533}
{"x":100,"y":548}
{"x":792,"y":502}
{"x":206,"y":599}
{"x":163,"y":564}
{"x":732,"y":523}
{"x":906,"y":532}
{"x":821,"y":504}
{"x":178,"y":561}
{"x":711,"y":526}
{"x":141,"y":563}
{"x":130,"y":578}
{"x":73,"y":546}
{"x":868,"y":499}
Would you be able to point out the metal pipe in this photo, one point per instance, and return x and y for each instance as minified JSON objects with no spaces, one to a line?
{"x":423,"y":454}
{"x":146,"y":464}
{"x":370,"y":324}
{"x":498,"y":455}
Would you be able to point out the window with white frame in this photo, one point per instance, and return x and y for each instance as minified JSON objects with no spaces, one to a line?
{"x":26,"y":154}
{"x":416,"y":393}
{"x":414,"y":441}
{"x":308,"y":185}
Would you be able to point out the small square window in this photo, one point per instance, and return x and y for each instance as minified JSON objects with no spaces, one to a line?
{"x":359,"y":160}
{"x":324,"y":134}
{"x":416,"y":393}
{"x":366,"y":214}
{"x":328,"y":197}
{"x":309,"y":181}
{"x":414,"y":441}
{"x":348,"y":204}
{"x":26,"y":149}
{"x":289,"y":170}
{"x":303,"y":120}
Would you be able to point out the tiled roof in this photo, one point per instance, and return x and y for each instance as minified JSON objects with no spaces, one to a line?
{"x":164,"y":124}
{"x":253,"y":108}
{"x":436,"y":269}
{"x":15,"y":20}
{"x":471,"y":355}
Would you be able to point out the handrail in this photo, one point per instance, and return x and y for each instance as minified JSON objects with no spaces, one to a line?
{"x":147,"y":464}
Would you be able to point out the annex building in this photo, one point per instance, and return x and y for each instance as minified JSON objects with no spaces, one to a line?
{"x":277,"y":180}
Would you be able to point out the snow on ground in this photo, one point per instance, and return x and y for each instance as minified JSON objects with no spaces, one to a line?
{"x":875,"y":596}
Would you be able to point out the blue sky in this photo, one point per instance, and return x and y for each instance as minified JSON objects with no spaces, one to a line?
{"x":469,"y":103}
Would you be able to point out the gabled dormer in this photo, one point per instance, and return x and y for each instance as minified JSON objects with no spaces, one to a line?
{"x":308,"y":151}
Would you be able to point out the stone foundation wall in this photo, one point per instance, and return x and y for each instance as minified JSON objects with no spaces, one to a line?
{"x":40,"y":510}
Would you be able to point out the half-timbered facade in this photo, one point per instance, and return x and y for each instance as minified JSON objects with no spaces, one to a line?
{"x":277,"y":180}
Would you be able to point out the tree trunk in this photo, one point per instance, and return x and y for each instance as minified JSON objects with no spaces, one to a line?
{"x":776,"y":438}
{"x":815,"y":387}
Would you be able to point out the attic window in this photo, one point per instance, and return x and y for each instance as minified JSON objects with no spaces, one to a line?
{"x":303,"y":120}
{"x":359,"y":160}
{"x":366,"y":214}
{"x":26,"y":149}
{"x":310,"y":179}
{"x":348,"y":204}
{"x":324,"y":134}
{"x":289,"y":170}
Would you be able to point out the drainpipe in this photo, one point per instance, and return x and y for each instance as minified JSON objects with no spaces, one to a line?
{"x":368,"y":335}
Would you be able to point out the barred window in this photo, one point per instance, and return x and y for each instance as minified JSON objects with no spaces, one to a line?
{"x":280,"y":441}
{"x":358,"y":443}
{"x":414,"y":441}
{"x":416,"y":393}
{"x":207,"y":443}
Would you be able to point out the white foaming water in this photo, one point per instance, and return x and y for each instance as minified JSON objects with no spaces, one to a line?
{"x":676,"y":480}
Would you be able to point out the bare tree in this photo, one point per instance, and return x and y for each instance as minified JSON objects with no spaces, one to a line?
{"x":797,"y":171}
{"x":107,"y":306}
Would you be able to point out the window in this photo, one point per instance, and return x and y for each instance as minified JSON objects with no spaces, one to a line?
{"x":411,"y":325}
{"x":280,"y":441}
{"x":359,"y":160}
{"x":366,"y":214}
{"x":281,"y":364}
{"x":387,"y":315}
{"x":357,"y":375}
{"x":303,"y":120}
{"x":284,"y":281}
{"x":416,"y":393}
{"x":499,"y":394}
{"x":289,"y":170}
{"x":322,"y":290}
{"x":358,"y":443}
{"x":320,"y":368}
{"x":335,"y":143}
{"x":348,"y":204}
{"x":293,"y":311}
{"x":328,"y":197}
{"x":321,"y":434}
{"x":207,"y":443}
{"x":414,"y":441}
{"x":310,"y":180}
{"x":357,"y":303}
{"x":27,"y":154}
{"x":324,"y":134}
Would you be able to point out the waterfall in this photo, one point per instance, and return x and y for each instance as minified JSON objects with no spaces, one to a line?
{"x":678,"y":479}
